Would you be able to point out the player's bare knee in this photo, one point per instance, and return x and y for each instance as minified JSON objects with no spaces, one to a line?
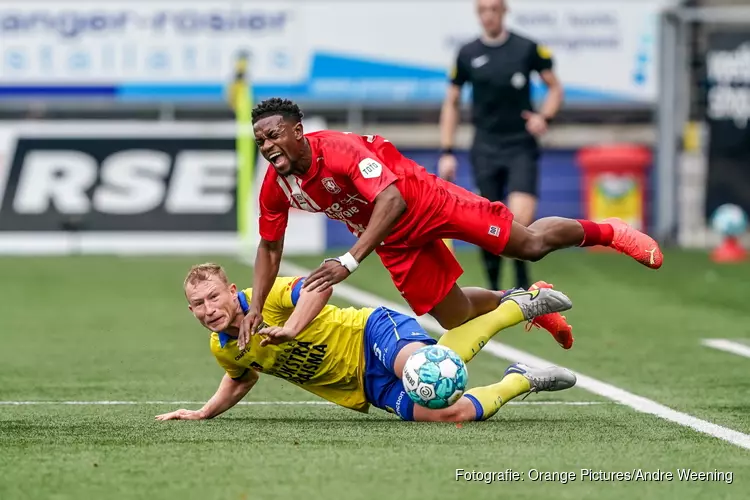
{"x":450,"y":319}
{"x":451,"y":323}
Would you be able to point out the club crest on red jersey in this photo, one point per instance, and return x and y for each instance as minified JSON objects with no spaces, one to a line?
{"x":330,"y":185}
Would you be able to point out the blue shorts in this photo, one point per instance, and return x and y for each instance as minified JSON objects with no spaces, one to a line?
{"x":386,"y":333}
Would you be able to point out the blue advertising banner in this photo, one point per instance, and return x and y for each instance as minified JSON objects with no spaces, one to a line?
{"x":316,"y":50}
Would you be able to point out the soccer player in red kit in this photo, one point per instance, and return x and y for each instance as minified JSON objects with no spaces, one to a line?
{"x":399,"y":210}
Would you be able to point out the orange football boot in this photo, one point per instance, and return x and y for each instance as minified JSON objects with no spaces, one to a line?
{"x":555,"y":323}
{"x":634,"y":243}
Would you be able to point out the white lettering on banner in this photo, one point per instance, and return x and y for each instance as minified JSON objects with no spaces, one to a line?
{"x":142,"y":41}
{"x":730,"y":66}
{"x":729,"y":96}
{"x":57,"y":178}
{"x":40,"y":187}
{"x":610,"y":44}
{"x":726,"y":102}
{"x":202,"y":182}
{"x":132,"y":182}
{"x":69,"y":24}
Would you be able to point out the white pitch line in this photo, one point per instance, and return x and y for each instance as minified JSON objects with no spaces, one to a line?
{"x":728,"y":346}
{"x":261,"y":403}
{"x":638,"y":403}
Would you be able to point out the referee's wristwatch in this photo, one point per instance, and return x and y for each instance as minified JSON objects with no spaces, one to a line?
{"x":446,"y":151}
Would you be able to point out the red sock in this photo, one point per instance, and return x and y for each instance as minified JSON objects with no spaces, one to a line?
{"x":595,"y":234}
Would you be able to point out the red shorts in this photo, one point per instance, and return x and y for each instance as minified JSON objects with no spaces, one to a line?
{"x":423,"y":268}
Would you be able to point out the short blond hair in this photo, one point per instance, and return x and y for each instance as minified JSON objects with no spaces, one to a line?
{"x":203,"y":272}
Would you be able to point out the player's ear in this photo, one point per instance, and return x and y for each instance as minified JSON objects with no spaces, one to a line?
{"x":298,"y":131}
{"x":233,"y":288}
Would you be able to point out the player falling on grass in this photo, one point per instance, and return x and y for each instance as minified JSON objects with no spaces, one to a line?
{"x":351,"y":357}
{"x":399,"y":210}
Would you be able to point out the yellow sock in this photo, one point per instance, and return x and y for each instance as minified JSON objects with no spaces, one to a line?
{"x":468,"y":339}
{"x":489,"y":399}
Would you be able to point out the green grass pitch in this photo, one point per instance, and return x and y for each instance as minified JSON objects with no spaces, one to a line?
{"x":82,"y":329}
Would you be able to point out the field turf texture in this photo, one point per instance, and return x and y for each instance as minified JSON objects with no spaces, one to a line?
{"x":117,"y":329}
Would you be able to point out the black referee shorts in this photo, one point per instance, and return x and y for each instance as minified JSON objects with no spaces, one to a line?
{"x":501,"y":168}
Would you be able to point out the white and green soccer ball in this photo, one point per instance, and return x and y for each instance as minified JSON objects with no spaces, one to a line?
{"x":729,"y":220}
{"x":435,"y":377}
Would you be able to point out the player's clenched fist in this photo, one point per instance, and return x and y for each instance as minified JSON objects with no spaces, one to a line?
{"x":181,"y":415}
{"x":249,"y":326}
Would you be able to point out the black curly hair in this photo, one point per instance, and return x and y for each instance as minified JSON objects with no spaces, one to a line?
{"x":277,"y":106}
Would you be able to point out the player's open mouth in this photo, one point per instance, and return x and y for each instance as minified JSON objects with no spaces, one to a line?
{"x":275,"y":157}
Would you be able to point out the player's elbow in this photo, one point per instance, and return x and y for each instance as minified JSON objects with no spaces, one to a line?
{"x":391,"y":197}
{"x":243,"y":384}
{"x":452,"y":98}
{"x":558,"y":91}
{"x":400,"y":205}
{"x":554,"y":86}
{"x":272,"y":246}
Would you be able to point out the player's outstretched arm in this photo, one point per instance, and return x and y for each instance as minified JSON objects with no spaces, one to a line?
{"x":389,"y":207}
{"x":267,"y":262}
{"x":229,"y":393}
{"x":309,"y":305}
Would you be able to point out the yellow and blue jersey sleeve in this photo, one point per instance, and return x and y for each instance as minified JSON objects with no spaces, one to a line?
{"x":234,"y":370}
{"x":283,"y":296}
{"x":290,"y":291}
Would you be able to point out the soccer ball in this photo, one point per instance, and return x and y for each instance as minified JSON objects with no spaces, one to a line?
{"x":435,"y":377}
{"x":729,"y":220}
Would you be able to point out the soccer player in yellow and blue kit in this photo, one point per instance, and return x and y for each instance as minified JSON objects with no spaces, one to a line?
{"x":351,"y":357}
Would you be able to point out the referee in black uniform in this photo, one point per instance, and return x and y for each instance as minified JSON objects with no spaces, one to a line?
{"x":505,"y":151}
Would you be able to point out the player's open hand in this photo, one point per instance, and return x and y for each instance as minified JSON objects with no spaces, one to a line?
{"x":536,"y":125}
{"x":276,"y":335}
{"x":326,"y":276}
{"x":181,"y":414}
{"x":249,"y":326}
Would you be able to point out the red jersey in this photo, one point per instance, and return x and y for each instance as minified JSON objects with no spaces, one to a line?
{"x":348,"y":171}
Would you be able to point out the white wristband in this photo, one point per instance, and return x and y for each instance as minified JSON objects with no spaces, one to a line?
{"x":349,"y":262}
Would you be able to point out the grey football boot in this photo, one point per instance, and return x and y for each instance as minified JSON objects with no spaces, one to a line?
{"x":535,"y":303}
{"x":552,"y":378}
